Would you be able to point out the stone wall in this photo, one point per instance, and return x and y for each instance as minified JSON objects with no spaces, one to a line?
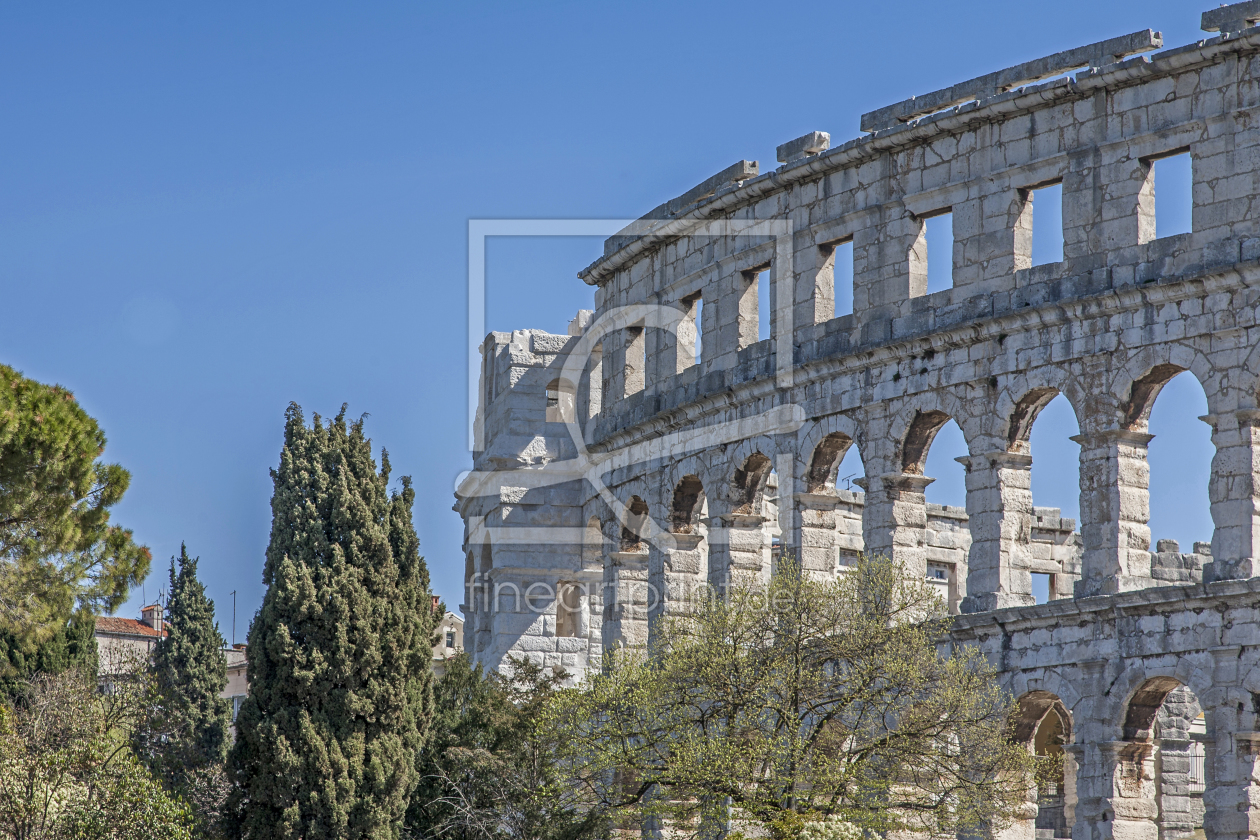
{"x":615,"y":459}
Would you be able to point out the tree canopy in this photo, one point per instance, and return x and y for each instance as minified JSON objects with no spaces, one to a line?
{"x":797,"y":705}
{"x":489,"y":771}
{"x":58,"y":550}
{"x":187,"y":746}
{"x":66,"y":770}
{"x":339,"y":653}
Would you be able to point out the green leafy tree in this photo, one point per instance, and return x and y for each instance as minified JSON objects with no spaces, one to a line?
{"x":66,"y":768}
{"x":489,"y":771}
{"x":58,"y":550}
{"x":339,"y":654}
{"x":187,"y":745}
{"x":802,"y":708}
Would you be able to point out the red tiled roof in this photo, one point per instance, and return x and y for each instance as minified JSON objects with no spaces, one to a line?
{"x":124,"y":626}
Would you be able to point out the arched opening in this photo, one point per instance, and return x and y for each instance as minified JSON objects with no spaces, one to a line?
{"x":635,"y":525}
{"x":932,"y":447}
{"x":686,"y":571}
{"x":688,"y":507}
{"x":561,"y":399}
{"x":1042,"y":426}
{"x":739,"y":552}
{"x":1168,"y":761}
{"x":1167,"y":403}
{"x":749,"y":481}
{"x":831,"y":538}
{"x":1044,"y":724}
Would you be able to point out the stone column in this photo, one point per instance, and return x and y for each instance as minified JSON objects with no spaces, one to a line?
{"x":626,"y":599}
{"x":1115,"y":511}
{"x":1132,"y":807}
{"x":736,"y":550}
{"x":1000,"y":509}
{"x":676,"y":576}
{"x":1128,"y":810}
{"x":895,"y":519}
{"x":1234,"y":491}
{"x":815,"y":520}
{"x":1232,"y":798}
{"x":1071,"y":767}
{"x":1172,"y":763}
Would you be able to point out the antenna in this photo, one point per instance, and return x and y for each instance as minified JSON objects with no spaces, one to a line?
{"x":233,"y":618}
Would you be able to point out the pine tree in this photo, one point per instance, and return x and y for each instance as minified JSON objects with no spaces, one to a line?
{"x":191,"y":671}
{"x":339,"y":654}
{"x":72,"y":646}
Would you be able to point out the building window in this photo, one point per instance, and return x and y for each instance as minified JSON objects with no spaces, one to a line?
{"x":450,"y":638}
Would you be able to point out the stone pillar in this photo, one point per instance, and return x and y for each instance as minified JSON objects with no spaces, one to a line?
{"x":626,"y":599}
{"x":1000,"y":509}
{"x":1172,"y":765}
{"x":1071,"y":767}
{"x":1234,"y":491}
{"x":1115,"y":511}
{"x":736,"y":550}
{"x":676,"y":576}
{"x":1130,"y":810}
{"x":815,"y":520}
{"x":1232,"y":798}
{"x":894,"y":522}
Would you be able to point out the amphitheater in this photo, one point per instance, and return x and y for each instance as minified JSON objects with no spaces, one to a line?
{"x":665,"y":443}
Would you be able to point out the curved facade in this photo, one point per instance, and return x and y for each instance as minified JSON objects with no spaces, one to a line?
{"x":665,"y":444}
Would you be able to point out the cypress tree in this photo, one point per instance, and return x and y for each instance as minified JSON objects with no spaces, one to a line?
{"x":191,"y":671}
{"x":340,"y":686}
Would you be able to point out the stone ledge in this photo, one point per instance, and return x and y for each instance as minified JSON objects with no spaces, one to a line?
{"x":1204,"y":596}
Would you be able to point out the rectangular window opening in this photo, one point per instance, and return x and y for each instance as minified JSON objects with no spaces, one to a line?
{"x":636,"y":360}
{"x":1171,"y":180}
{"x":699,"y":354}
{"x":1042,"y":587}
{"x":691,"y":332}
{"x":762,"y":279}
{"x":1046,"y":206}
{"x":842,"y":278}
{"x":939,"y":238}
{"x":568,"y":607}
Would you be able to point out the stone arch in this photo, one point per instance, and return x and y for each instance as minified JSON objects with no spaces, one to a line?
{"x":1193,"y":671}
{"x":1143,"y":706}
{"x":1024,"y":394}
{"x":910,"y":416}
{"x":748,"y":482}
{"x":1137,"y":385}
{"x":686,"y":504}
{"x":1031,"y":710}
{"x":1023,"y":415}
{"x":918,"y":439}
{"x":634,"y":526}
{"x":821,"y":472}
{"x":1252,"y":369}
{"x":1166,"y":763}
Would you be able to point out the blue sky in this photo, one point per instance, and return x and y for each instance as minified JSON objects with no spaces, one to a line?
{"x":209,"y":211}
